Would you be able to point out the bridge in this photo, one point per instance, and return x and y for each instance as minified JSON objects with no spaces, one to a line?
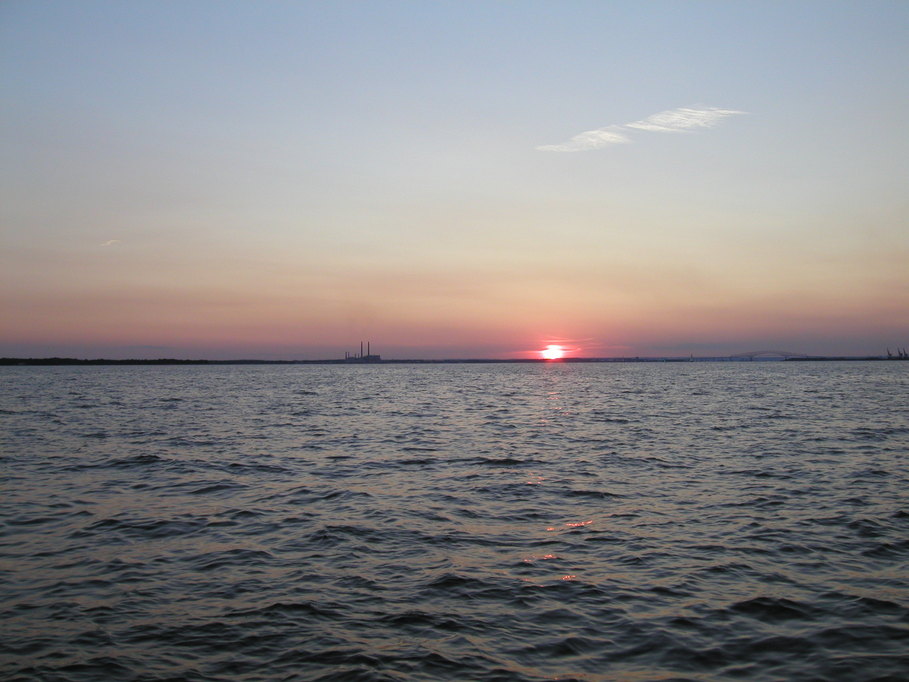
{"x":751,"y":355}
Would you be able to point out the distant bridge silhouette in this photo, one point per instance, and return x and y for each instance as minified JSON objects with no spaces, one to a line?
{"x":751,"y":355}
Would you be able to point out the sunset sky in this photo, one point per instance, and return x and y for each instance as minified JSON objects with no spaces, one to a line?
{"x":453,"y":179}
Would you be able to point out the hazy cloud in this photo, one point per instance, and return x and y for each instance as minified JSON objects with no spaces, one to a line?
{"x":111,"y":242}
{"x":671,"y":121}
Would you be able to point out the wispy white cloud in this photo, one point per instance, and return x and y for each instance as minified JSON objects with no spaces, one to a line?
{"x":677,"y":120}
{"x":591,"y":139}
{"x":671,"y":121}
{"x":111,"y":242}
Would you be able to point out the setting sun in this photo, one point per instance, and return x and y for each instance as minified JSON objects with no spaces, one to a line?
{"x":553,"y":353}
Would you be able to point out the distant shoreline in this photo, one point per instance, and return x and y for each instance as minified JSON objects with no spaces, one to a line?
{"x":54,"y":361}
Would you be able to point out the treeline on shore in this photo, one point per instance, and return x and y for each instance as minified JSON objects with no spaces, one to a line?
{"x":102,"y":361}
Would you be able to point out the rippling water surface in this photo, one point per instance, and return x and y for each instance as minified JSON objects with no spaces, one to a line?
{"x":465,"y":522}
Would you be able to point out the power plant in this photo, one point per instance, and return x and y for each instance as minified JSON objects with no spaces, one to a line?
{"x":360,"y":357}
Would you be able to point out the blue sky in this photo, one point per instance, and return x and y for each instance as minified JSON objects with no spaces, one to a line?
{"x":281,"y":179}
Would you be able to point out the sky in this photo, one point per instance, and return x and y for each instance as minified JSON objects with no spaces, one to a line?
{"x":452,"y":179}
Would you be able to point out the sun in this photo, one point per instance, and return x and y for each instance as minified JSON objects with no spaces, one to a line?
{"x":553,"y":352}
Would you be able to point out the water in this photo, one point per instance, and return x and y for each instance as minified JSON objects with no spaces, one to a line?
{"x":465,"y":522}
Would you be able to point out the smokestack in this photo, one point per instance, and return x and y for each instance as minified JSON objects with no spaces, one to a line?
{"x":367,"y":347}
{"x":361,"y":349}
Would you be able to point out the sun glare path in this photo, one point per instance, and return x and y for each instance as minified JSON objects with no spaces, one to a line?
{"x":553,"y":352}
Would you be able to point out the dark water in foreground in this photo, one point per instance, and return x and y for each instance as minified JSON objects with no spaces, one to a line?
{"x":493,"y":522}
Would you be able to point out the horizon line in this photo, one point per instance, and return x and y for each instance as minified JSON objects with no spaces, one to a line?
{"x":758,"y":356}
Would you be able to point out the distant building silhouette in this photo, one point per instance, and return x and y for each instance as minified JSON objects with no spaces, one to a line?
{"x":360,"y":357}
